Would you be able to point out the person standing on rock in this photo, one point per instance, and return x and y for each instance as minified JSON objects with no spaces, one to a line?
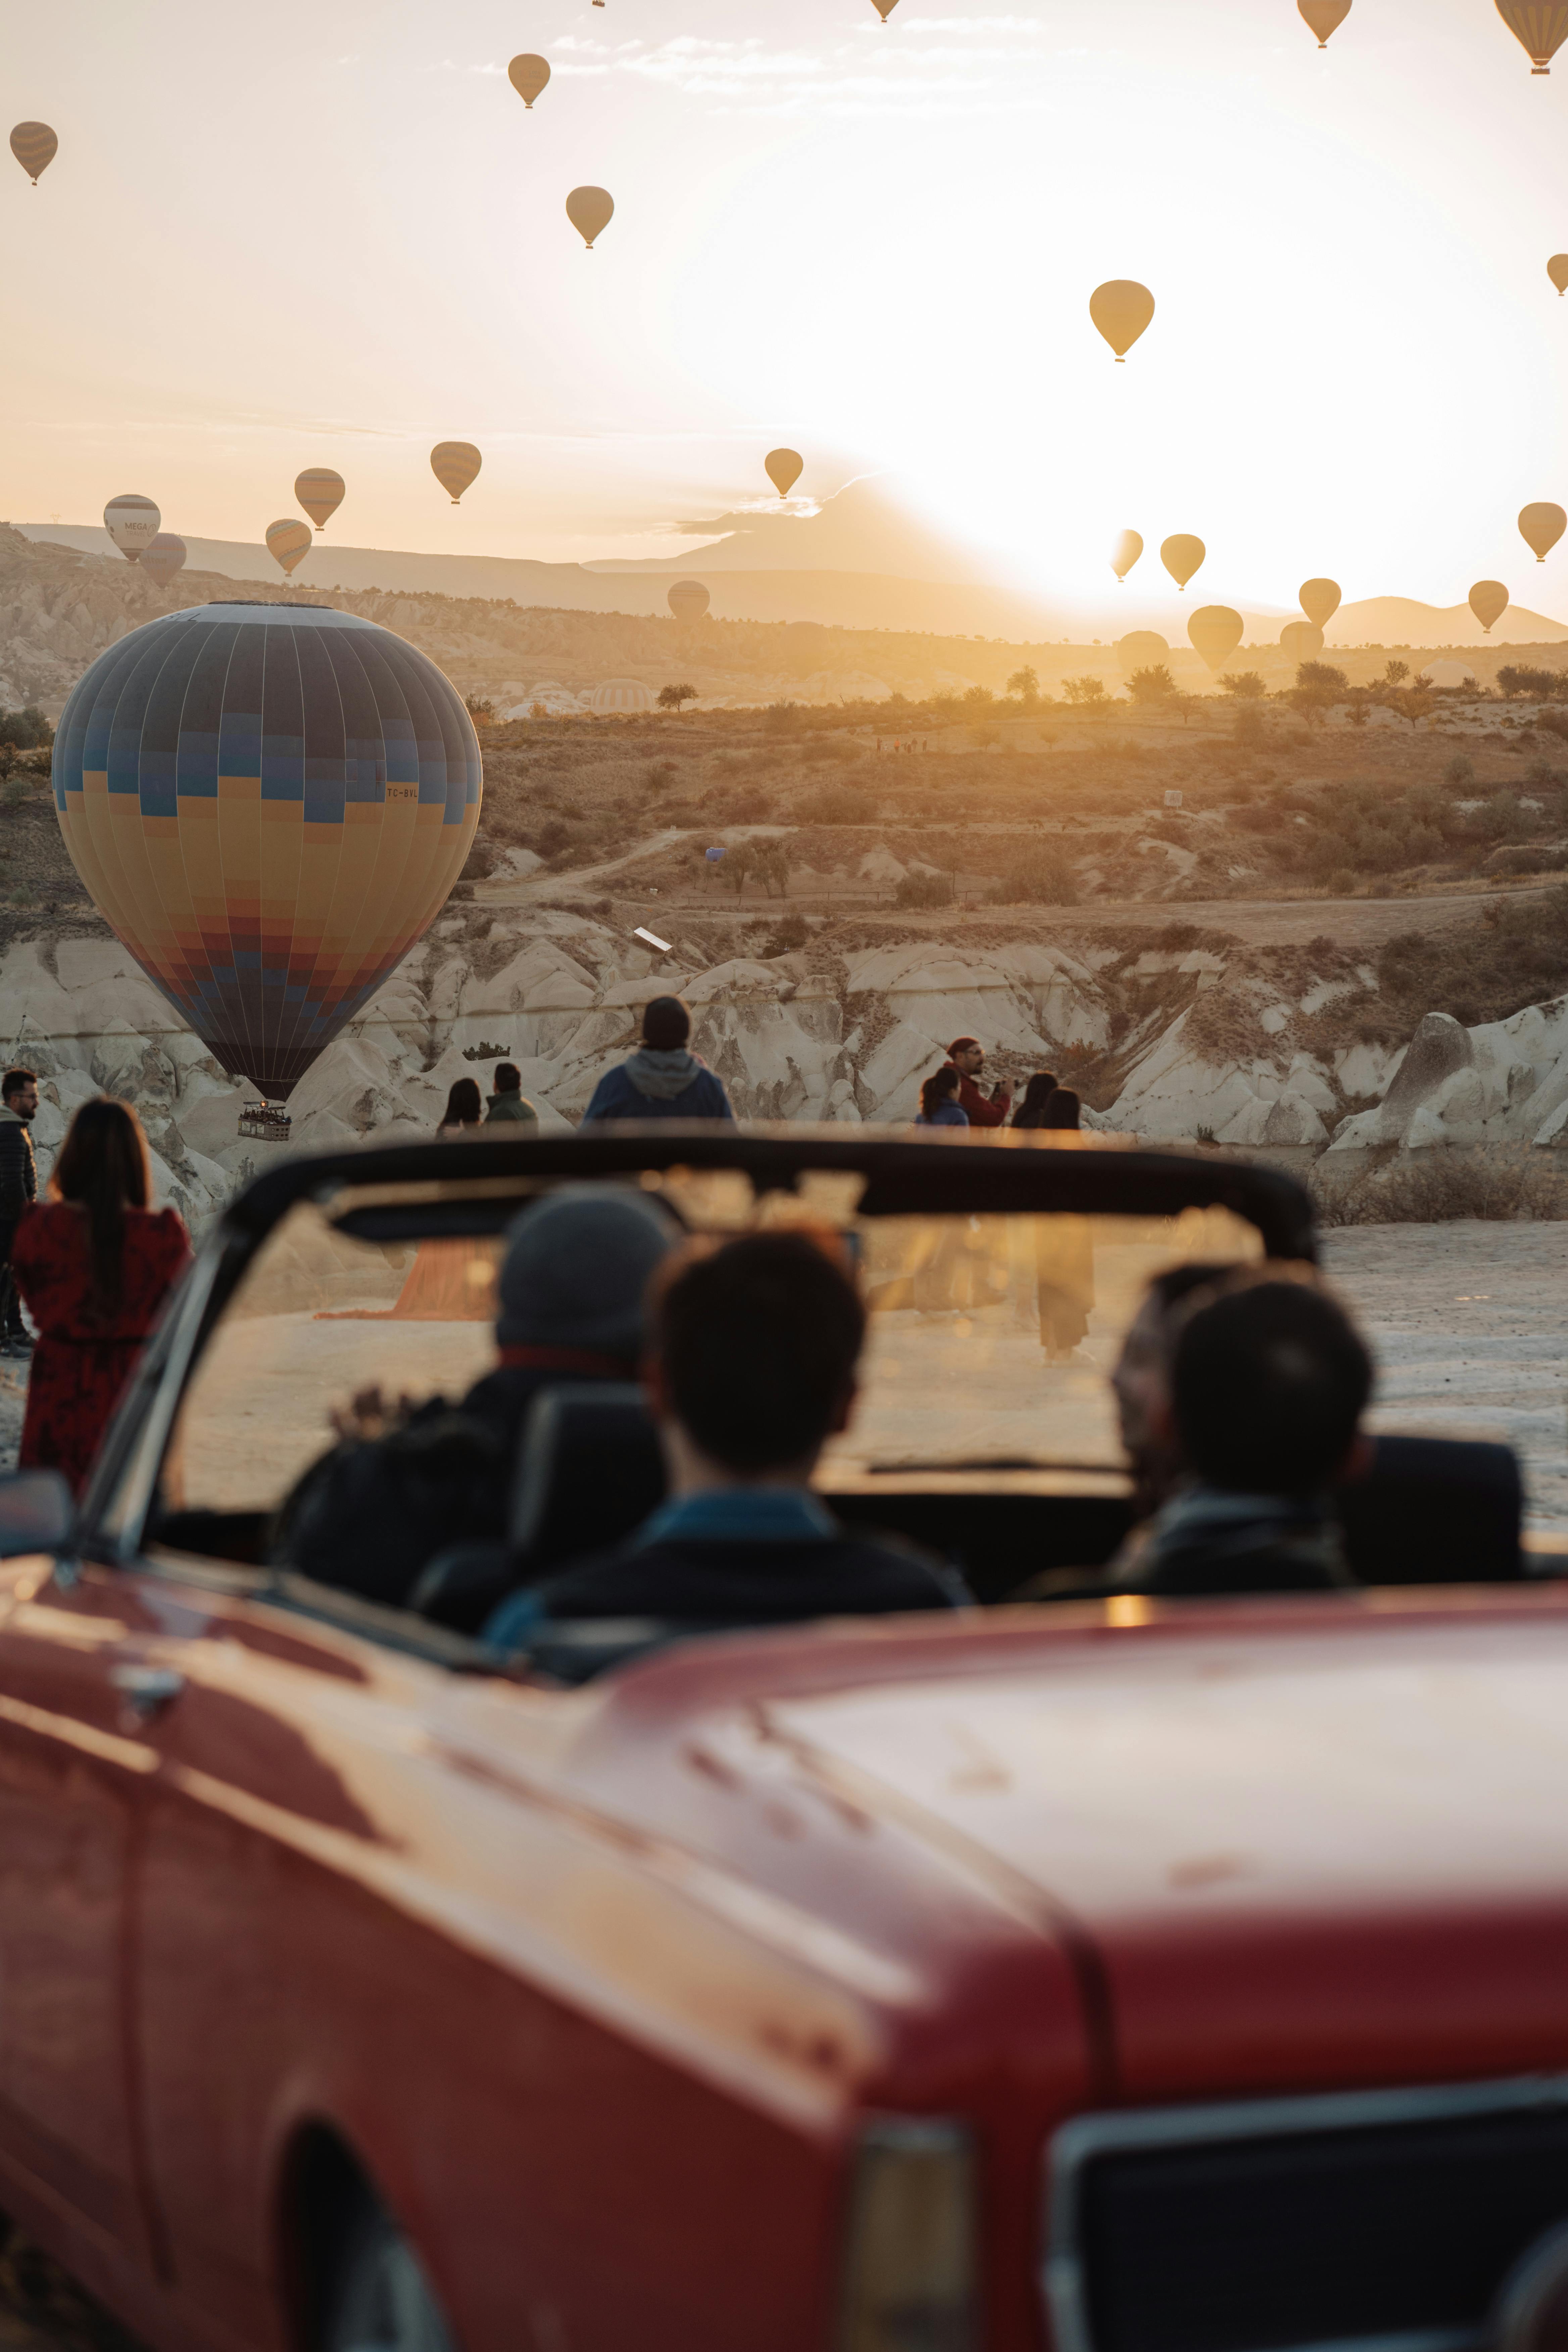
{"x":967,"y":1056}
{"x":18,"y":1191}
{"x":664,"y":1079}
{"x":509,"y":1105}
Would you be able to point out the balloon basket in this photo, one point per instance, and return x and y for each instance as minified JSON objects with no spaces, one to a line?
{"x":266,"y":1122}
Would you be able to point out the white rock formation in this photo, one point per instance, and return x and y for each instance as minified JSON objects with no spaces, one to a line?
{"x":1502,"y":1082}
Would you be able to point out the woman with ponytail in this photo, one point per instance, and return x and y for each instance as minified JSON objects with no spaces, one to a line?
{"x":940,"y":1105}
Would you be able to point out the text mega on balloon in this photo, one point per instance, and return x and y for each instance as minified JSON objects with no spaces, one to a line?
{"x":1125,"y":551}
{"x":1540,"y":27}
{"x":268,"y":803}
{"x":132,"y":523}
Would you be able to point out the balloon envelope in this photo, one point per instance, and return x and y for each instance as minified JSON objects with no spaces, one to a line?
{"x":1182,"y":556}
{"x":320,"y":492}
{"x":1541,"y":26}
{"x":884,"y":8}
{"x":589,"y":212}
{"x":783,"y":468}
{"x":268,"y":803}
{"x":1303,"y":640}
{"x":1320,"y":600}
{"x":455,"y":464}
{"x":1215,"y":632}
{"x":1541,"y":527}
{"x":689,"y":600}
{"x":164,"y":557}
{"x":288,"y":542}
{"x":1324,"y":16}
{"x":1557,"y":270}
{"x":1144,"y":650}
{"x":528,"y":76}
{"x":132,"y":523}
{"x":34,"y":146}
{"x":1121,"y":310}
{"x":1489,"y":603}
{"x":1125,"y":553}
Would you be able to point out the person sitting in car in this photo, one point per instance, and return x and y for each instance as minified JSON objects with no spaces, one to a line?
{"x":754,"y":1347}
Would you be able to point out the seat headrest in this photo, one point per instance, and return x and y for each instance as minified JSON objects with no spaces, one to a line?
{"x":589,"y":1473}
{"x":1435,"y":1510}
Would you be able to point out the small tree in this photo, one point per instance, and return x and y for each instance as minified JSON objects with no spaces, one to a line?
{"x":1318,"y":684}
{"x":1243,"y":686}
{"x":481,"y":713}
{"x":671,"y":698}
{"x":1149,"y":687}
{"x":1025,"y":683}
{"x":1396,"y":673}
{"x":1088,"y":693}
{"x":1459,"y":774}
{"x":769,"y":863}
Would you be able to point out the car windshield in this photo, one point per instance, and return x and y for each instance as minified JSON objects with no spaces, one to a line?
{"x":990,"y":1335}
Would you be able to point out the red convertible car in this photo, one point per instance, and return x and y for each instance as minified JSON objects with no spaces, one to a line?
{"x":1116,"y":1976}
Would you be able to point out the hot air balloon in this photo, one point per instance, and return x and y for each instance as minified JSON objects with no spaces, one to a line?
{"x":1122,"y":310}
{"x":884,"y":8}
{"x":163,"y":558}
{"x":1320,"y":600}
{"x":589,"y":212}
{"x":528,"y":76}
{"x":1215,"y":632}
{"x":288,"y":542}
{"x":1541,"y":26}
{"x":1301,"y":640}
{"x":320,"y":492}
{"x":1541,"y":527}
{"x":455,"y":464}
{"x":783,"y":468}
{"x":1324,"y":16}
{"x":1182,"y":556}
{"x":1144,"y":649}
{"x":689,"y":600}
{"x":132,"y":523}
{"x":1125,"y":553}
{"x":268,"y":803}
{"x":34,"y":146}
{"x":1557,"y":270}
{"x":1489,"y":603}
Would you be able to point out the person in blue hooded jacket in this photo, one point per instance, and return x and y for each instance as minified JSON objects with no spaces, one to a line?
{"x":664,"y":1079}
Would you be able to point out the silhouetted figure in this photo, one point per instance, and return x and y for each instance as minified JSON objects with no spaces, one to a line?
{"x":664,"y":1079}
{"x":1036,"y":1093}
{"x":509,"y":1105}
{"x":465,"y":1107}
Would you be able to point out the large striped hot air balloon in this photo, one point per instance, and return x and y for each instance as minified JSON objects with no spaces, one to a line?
{"x":319,"y":490}
{"x":455,"y":464}
{"x":34,"y":146}
{"x":288,"y":542}
{"x":1540,"y":27}
{"x":270,"y":804}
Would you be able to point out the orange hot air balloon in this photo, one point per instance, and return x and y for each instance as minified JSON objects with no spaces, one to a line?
{"x":1215,"y":632}
{"x":34,"y":146}
{"x":1301,"y":640}
{"x":589,"y":212}
{"x":1489,"y":603}
{"x":1125,"y":552}
{"x":783,"y":468}
{"x":455,"y":464}
{"x":1320,"y":600}
{"x":689,"y":600}
{"x":1144,"y":649}
{"x":1540,"y":25}
{"x":1121,"y":310}
{"x":1541,"y":527}
{"x":1557,"y":270}
{"x":288,"y":542}
{"x":1182,"y":556}
{"x":528,"y":76}
{"x":320,"y":492}
{"x":268,"y":803}
{"x":1324,"y":16}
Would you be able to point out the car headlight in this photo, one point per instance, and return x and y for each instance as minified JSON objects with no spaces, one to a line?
{"x":910,"y":2273}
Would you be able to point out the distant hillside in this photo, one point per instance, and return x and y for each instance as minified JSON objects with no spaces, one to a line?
{"x":1400,"y":621}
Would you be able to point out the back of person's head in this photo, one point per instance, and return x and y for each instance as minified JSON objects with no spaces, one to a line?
{"x":16,"y":1082}
{"x":757,"y":1343}
{"x":1037,"y":1095}
{"x":1269,"y":1383}
{"x":666,"y":1024}
{"x":940,"y":1088}
{"x":102,"y":1168}
{"x":508,"y":1079}
{"x":464,"y":1105}
{"x":1062,"y":1109}
{"x":577,"y":1272}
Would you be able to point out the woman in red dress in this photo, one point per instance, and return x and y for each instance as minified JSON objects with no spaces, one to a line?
{"x":94,"y":1265}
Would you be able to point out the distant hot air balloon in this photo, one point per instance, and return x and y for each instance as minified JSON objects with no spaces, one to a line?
{"x":288,"y":542}
{"x":1557,"y":270}
{"x":1541,"y":26}
{"x":1541,"y":527}
{"x":884,"y":8}
{"x":783,"y":468}
{"x":34,"y":146}
{"x":1324,"y":16}
{"x":1489,"y":603}
{"x":320,"y":492}
{"x":163,"y":558}
{"x":1301,"y":640}
{"x":1182,"y":556}
{"x":1144,"y":649}
{"x":689,"y":600}
{"x":1125,"y":553}
{"x":589,"y":212}
{"x":132,"y":523}
{"x":1320,"y":600}
{"x":268,"y":803}
{"x":1121,"y":310}
{"x":528,"y":76}
{"x":1215,"y":632}
{"x":455,"y":464}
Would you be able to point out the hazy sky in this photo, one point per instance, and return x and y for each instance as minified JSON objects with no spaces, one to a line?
{"x":326,"y":232}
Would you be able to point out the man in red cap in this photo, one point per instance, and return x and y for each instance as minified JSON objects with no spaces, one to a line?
{"x":967,"y":1056}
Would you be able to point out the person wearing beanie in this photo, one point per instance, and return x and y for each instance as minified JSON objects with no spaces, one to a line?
{"x":967,"y":1056}
{"x":664,"y":1079}
{"x":401,"y":1486}
{"x":509,"y":1105}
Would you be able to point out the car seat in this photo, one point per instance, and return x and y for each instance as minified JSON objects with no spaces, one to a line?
{"x":1435,"y":1510}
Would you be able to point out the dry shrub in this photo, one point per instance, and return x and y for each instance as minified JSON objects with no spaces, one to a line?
{"x":1443,"y":1185}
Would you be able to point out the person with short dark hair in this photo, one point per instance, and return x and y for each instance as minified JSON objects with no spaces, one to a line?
{"x":664,"y":1079}
{"x":938,"y":1101}
{"x":754,"y":1347}
{"x":18,"y":1191}
{"x":967,"y":1056}
{"x":1037,"y":1095}
{"x":465,"y":1108}
{"x":509,"y":1105}
{"x":1140,"y":1381}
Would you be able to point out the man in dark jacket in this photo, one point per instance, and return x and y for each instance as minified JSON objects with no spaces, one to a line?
{"x":509,"y":1105}
{"x":967,"y":1056}
{"x":753,"y":1347}
{"x":18,"y":1191}
{"x":664,"y":1080}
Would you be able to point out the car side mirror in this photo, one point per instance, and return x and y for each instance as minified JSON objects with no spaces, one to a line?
{"x":38,"y":1512}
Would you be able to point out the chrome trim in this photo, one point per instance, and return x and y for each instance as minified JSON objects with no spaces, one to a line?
{"x":1078,"y":2143}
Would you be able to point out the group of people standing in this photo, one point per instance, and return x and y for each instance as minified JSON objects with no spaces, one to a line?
{"x":951,"y":1097}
